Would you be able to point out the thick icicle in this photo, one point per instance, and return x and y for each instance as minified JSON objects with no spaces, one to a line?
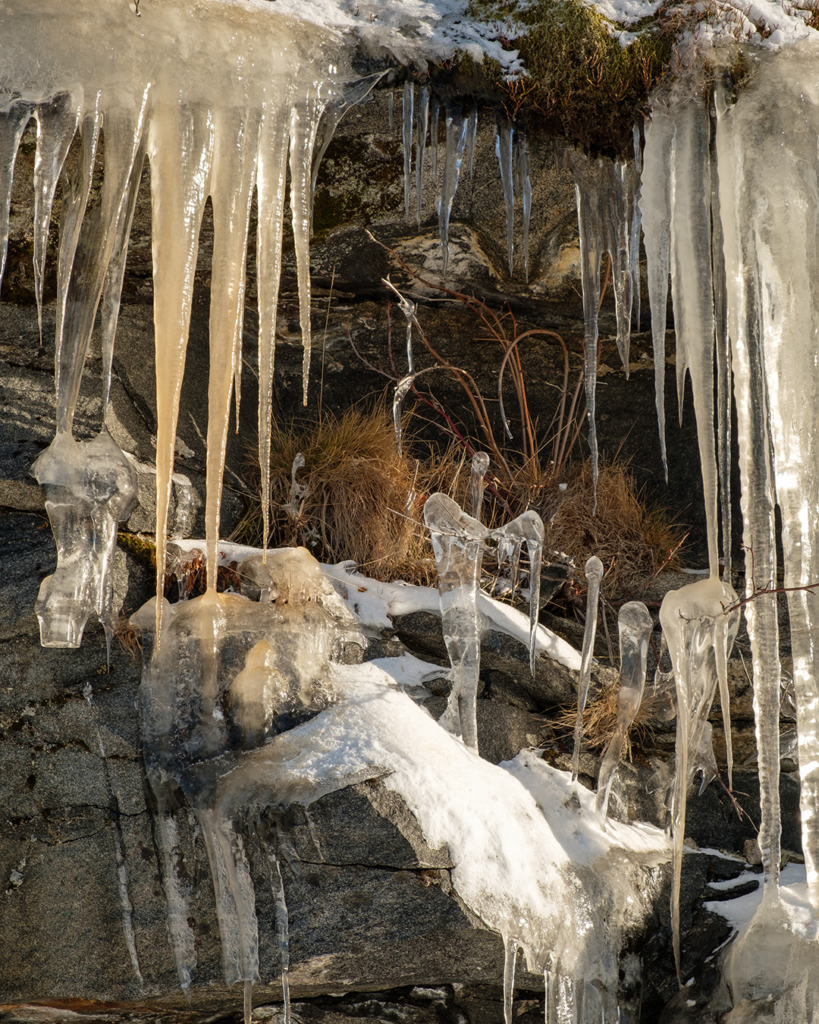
{"x":455,"y":141}
{"x":594,"y":576}
{"x":525,"y":190}
{"x":458,"y":541}
{"x":13,"y":122}
{"x":504,"y":141}
{"x":699,"y":623}
{"x":232,"y":179}
{"x":421,"y":120}
{"x":406,"y":136}
{"x":692,"y":289}
{"x":477,"y":482}
{"x":635,"y":627}
{"x":655,"y":207}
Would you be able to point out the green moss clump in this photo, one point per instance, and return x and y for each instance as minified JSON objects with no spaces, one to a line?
{"x":580,"y":83}
{"x":138,"y":547}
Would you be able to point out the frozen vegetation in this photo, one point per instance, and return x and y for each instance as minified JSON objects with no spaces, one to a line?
{"x":239,"y":714}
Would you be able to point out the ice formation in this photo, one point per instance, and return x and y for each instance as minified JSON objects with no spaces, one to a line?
{"x":594,"y":577}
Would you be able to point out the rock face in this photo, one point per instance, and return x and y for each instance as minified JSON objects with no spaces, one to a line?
{"x":371,"y":907}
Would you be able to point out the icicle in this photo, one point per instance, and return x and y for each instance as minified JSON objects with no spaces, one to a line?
{"x":692,"y":290}
{"x":471,"y":133}
{"x":282,"y":927}
{"x":270,"y":191}
{"x":504,"y":135}
{"x":594,"y":576}
{"x":421,"y":119}
{"x":455,"y":141}
{"x":298,"y":492}
{"x":635,"y":628}
{"x":510,"y":955}
{"x":57,"y":123}
{"x":525,"y":190}
{"x":480,"y":466}
{"x":655,"y":208}
{"x":526,"y":529}
{"x":634,"y":238}
{"x":401,"y":389}
{"x":407,"y":108}
{"x":723,"y":354}
{"x":457,"y":541}
{"x":180,"y":147}
{"x":617,"y":184}
{"x":587,"y":192}
{"x":435,"y":109}
{"x":408,"y":309}
{"x":177,"y":905}
{"x":12,"y":125}
{"x":699,"y":623}
{"x":232,"y":180}
{"x":303,"y":127}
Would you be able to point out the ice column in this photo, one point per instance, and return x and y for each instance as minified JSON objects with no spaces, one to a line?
{"x":635,"y":631}
{"x":594,"y":577}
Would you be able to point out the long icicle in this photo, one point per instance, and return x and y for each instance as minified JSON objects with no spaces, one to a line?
{"x":12,"y":125}
{"x":406,"y":137}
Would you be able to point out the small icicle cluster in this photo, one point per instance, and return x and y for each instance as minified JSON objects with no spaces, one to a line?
{"x":459,"y":541}
{"x":220,"y":107}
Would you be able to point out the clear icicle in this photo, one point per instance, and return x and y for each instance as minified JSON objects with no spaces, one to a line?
{"x":526,"y":529}
{"x":504,"y":151}
{"x":282,"y":928}
{"x":408,"y":309}
{"x":699,"y":623}
{"x":458,"y":541}
{"x":510,"y":955}
{"x":635,"y":628}
{"x":271,"y":172}
{"x":723,"y":355}
{"x":455,"y":141}
{"x":525,"y":190}
{"x":13,"y":122}
{"x":406,"y":135}
{"x":303,"y":127}
{"x":692,"y":289}
{"x":655,"y":208}
{"x":589,"y":227}
{"x":233,"y":177}
{"x":594,"y":576}
{"x":421,"y":121}
{"x":634,"y":238}
{"x":435,"y":109}
{"x":617,"y":184}
{"x":471,"y":134}
{"x":401,"y":390}
{"x":477,"y":482}
{"x":57,"y":123}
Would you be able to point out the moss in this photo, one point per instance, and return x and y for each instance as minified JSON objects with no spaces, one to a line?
{"x":580,"y":83}
{"x":138,"y":547}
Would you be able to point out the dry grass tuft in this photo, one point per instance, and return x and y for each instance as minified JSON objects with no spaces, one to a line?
{"x":364,"y":501}
{"x":600,"y":721}
{"x":632,"y":541}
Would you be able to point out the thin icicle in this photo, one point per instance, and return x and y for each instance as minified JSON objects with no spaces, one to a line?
{"x":406,"y":135}
{"x":435,"y":109}
{"x":401,"y":390}
{"x":271,"y":174}
{"x":477,"y":482}
{"x":12,"y":125}
{"x":617,"y":186}
{"x":304,"y":123}
{"x":655,"y":208}
{"x":589,"y":227}
{"x":504,"y":138}
{"x":634,"y":238}
{"x":471,"y":134}
{"x":510,"y":955}
{"x":421,"y":121}
{"x":594,"y":576}
{"x":455,"y":141}
{"x":525,"y":189}
{"x":57,"y":123}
